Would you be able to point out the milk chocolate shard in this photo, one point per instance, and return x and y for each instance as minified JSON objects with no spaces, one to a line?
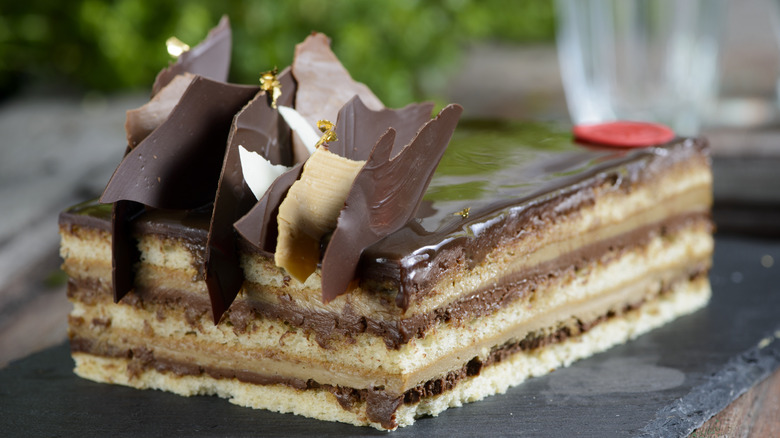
{"x":384,"y":196}
{"x":210,"y":58}
{"x":140,"y":122}
{"x":324,"y":85}
{"x":260,"y":129}
{"x":178,"y":165}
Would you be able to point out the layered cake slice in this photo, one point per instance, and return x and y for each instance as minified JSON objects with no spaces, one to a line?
{"x":523,"y":252}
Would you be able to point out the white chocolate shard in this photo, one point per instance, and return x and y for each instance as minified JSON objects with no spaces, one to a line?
{"x":306,"y":133}
{"x":258,"y":172}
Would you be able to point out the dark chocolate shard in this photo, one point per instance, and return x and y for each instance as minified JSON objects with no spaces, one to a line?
{"x":324,"y":85}
{"x":178,"y":165}
{"x":210,"y":58}
{"x":259,"y":227}
{"x":384,"y":196}
{"x":124,"y":251}
{"x":258,"y":128}
{"x":358,"y":127}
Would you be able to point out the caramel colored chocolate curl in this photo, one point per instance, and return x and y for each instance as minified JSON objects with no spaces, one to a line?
{"x":311,"y":209}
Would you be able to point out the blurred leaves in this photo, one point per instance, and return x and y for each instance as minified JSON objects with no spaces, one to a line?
{"x":399,"y":48}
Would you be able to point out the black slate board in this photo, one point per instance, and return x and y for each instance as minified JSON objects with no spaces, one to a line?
{"x":665,"y":383}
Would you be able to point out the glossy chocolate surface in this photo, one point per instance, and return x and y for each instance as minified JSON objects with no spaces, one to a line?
{"x":507,"y":175}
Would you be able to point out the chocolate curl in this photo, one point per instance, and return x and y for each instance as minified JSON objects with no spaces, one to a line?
{"x":210,"y":58}
{"x":258,"y":128}
{"x":385,"y":196}
{"x":178,"y":165}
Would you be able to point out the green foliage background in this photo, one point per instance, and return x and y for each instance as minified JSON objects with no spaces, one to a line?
{"x":399,"y":48}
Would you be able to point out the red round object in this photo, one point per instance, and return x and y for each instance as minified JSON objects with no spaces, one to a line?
{"x":624,"y":134}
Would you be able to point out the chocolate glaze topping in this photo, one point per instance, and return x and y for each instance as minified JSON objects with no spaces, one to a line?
{"x":258,"y":128}
{"x":510,"y":178}
{"x":210,"y":58}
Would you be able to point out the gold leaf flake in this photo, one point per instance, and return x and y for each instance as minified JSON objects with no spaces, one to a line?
{"x":463,"y":213}
{"x":176,"y":46}
{"x":271,"y":85}
{"x":328,"y":130}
